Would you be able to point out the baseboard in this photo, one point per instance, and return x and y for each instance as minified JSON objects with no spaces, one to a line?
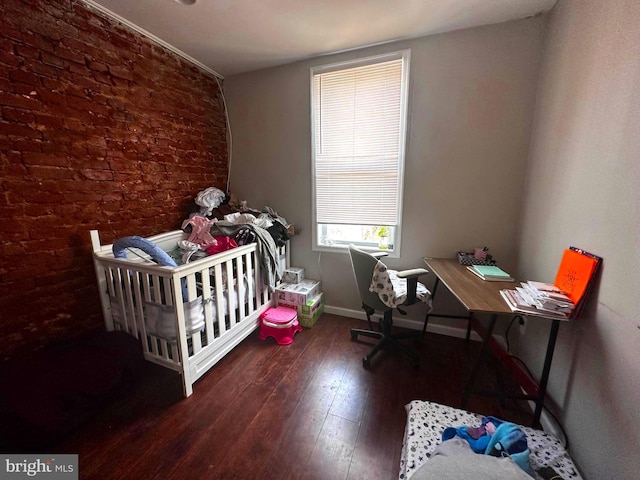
{"x":406,"y":323}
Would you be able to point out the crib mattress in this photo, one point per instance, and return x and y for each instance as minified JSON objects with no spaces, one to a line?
{"x":427,"y":420}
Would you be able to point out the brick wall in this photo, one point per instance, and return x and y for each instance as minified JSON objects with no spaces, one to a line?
{"x":99,"y":129}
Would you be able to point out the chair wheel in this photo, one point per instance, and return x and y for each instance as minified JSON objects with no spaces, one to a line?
{"x":366,"y":362}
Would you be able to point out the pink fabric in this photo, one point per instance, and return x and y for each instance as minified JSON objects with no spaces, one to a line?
{"x":221,"y":244}
{"x":200,"y":230}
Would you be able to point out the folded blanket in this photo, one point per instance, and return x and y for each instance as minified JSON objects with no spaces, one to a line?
{"x":497,"y":438}
{"x":454,"y":460}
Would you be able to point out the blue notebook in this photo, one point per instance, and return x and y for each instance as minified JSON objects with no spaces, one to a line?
{"x":491,"y":271}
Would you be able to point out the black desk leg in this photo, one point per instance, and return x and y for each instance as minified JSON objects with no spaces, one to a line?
{"x":542,"y":388}
{"x":476,"y":367}
{"x":433,"y":299}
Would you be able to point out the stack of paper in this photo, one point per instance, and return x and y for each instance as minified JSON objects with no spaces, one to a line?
{"x":539,"y":298}
{"x":490,"y":273}
{"x":546,"y":296}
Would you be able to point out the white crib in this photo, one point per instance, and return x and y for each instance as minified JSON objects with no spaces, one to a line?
{"x":225,"y":295}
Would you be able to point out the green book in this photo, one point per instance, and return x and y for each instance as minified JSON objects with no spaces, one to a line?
{"x":491,"y":271}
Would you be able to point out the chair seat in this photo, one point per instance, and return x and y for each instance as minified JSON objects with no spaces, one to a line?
{"x":391,"y":289}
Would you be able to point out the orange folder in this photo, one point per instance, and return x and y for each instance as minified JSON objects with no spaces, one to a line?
{"x":575,"y":272}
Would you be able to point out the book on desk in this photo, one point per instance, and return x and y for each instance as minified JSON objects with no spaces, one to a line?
{"x":490,"y":273}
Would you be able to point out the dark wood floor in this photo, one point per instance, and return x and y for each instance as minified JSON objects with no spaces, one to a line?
{"x":304,"y":411}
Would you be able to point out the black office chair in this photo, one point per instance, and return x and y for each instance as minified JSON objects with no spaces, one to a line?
{"x":364,"y":264}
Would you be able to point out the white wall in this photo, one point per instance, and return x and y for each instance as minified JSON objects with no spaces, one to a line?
{"x":582,"y":189}
{"x":471,"y":108}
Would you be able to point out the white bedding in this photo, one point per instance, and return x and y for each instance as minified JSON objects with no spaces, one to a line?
{"x":427,"y":420}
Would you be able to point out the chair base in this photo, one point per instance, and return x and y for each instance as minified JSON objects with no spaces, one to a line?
{"x":385,"y":339}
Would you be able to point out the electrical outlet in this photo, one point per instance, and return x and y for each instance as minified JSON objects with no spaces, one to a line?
{"x":522,"y":322}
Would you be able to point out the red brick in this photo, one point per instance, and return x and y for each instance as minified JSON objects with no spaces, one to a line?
{"x":101,"y":151}
{"x":81,"y":70}
{"x":10,"y":60}
{"x":52,"y":97}
{"x":18,"y":130}
{"x":45,"y":172}
{"x":20,"y":100}
{"x":52,"y":60}
{"x":17,"y":35}
{"x":98,"y":66}
{"x":17,"y":115}
{"x":46,"y":159}
{"x":49,"y":120}
{"x":45,"y":70}
{"x":71,"y":55}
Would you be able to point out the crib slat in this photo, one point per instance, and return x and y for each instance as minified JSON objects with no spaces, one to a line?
{"x":146,"y":285}
{"x":157,"y":295}
{"x":154,"y":344}
{"x":146,"y":294}
{"x":183,"y":348}
{"x":192,"y":290}
{"x":232,"y":300}
{"x":258,"y":281}
{"x":241,"y":289}
{"x":219,"y":299}
{"x":163,"y":349}
{"x":251,"y":291}
{"x":167,"y":295}
{"x":138,"y":309}
{"x":120,"y":299}
{"x":208,"y":305}
{"x":128,"y":301}
{"x":110,"y":281}
{"x":116,"y":308}
{"x":110,"y":322}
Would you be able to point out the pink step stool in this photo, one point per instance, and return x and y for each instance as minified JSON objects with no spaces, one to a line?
{"x":281,"y":323}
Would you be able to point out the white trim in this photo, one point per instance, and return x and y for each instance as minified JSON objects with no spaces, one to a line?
{"x":407,"y":323}
{"x":359,"y":62}
{"x":151,"y":37}
{"x":402,"y":147}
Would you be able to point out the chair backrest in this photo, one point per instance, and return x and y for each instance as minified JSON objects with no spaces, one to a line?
{"x":363,"y":265}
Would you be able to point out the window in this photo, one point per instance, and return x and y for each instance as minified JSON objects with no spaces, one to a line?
{"x":359,"y":124}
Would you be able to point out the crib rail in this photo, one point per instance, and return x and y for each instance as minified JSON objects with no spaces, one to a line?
{"x":187,"y":317}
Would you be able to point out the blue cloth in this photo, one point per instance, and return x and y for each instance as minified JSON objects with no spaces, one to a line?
{"x":507,"y":439}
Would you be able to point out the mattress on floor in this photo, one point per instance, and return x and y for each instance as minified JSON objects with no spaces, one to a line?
{"x":427,"y":420}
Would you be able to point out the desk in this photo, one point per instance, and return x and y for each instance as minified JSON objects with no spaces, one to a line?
{"x":482,"y":297}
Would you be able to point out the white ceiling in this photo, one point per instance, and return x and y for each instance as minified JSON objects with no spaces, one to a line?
{"x":236,"y":36}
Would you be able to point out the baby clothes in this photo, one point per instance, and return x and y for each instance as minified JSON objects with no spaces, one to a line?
{"x":200,"y":230}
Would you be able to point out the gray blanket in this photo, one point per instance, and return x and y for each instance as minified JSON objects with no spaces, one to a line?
{"x":454,"y":460}
{"x":266,"y":249}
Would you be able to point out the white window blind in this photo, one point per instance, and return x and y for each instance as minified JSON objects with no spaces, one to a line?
{"x":358,"y":143}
